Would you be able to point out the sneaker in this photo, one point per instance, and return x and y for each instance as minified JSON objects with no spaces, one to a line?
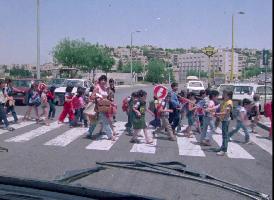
{"x":230,"y":140}
{"x":9,"y":128}
{"x":206,"y":143}
{"x":135,"y":141}
{"x":221,"y":153}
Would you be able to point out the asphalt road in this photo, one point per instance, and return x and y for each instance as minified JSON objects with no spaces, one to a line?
{"x":46,"y":152}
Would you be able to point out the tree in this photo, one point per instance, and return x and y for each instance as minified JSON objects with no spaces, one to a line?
{"x":137,"y":67}
{"x":20,"y":73}
{"x":107,"y":61}
{"x":155,"y":71}
{"x":120,"y":66}
{"x":69,"y":52}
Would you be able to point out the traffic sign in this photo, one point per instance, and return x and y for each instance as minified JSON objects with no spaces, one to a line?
{"x":265,"y":57}
{"x":160,"y":91}
{"x":209,"y":51}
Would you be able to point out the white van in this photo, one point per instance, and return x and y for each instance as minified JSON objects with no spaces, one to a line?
{"x":247,"y":90}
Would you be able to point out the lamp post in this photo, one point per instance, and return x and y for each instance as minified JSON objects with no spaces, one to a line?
{"x":38,"y":38}
{"x":131,"y":70}
{"x":232,"y":48}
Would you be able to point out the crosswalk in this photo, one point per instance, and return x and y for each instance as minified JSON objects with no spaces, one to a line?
{"x":185,"y":146}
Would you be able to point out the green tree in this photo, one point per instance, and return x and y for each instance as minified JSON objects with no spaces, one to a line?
{"x":69,"y":52}
{"x":120,"y":66}
{"x":20,"y":73}
{"x":155,"y":71}
{"x":137,"y":67}
{"x":107,"y":61}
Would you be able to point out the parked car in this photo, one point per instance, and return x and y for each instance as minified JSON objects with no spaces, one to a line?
{"x":60,"y":91}
{"x":247,"y":90}
{"x":195,"y":87}
{"x":21,"y":89}
{"x":57,"y":82}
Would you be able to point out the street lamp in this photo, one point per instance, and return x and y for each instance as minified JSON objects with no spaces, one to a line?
{"x":232,"y":49}
{"x":131,"y":72}
{"x":38,"y":37}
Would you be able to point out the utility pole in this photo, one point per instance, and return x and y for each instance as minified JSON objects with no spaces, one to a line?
{"x":38,"y":37}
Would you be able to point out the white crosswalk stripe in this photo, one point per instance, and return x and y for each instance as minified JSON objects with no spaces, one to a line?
{"x":186,"y":146}
{"x":189,"y":147}
{"x":34,"y":133}
{"x":233,"y":150}
{"x":263,"y":143}
{"x":143,"y":147}
{"x":67,"y":137}
{"x":102,"y":143}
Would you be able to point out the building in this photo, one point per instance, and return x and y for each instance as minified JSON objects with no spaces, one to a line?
{"x":220,"y":62}
{"x":242,"y":63}
{"x":123,"y":54}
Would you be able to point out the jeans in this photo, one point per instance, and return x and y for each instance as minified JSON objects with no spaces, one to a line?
{"x":83,"y":117}
{"x":225,"y":125}
{"x":3,"y":115}
{"x":174,"y":119}
{"x":11,"y":109}
{"x":156,"y":122}
{"x":129,"y":122}
{"x":105,"y":123}
{"x":207,"y":121}
{"x":240,"y":125}
{"x":51,"y":109}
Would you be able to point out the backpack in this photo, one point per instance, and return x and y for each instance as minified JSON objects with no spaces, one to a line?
{"x":125,"y":104}
{"x":151,"y":106}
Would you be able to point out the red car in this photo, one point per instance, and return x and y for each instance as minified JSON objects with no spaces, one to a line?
{"x":21,"y":88}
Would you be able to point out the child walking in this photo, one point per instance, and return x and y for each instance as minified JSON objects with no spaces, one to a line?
{"x":50,"y":97}
{"x":67,"y":109}
{"x":139,"y":123}
{"x":190,"y":114}
{"x":44,"y":105}
{"x":242,"y":120}
{"x":224,"y":116}
{"x":77,"y":104}
{"x":164,"y":111}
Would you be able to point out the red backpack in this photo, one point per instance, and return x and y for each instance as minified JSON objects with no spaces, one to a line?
{"x":125,"y":104}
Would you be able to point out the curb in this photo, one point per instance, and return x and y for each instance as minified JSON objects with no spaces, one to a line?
{"x":263,"y":126}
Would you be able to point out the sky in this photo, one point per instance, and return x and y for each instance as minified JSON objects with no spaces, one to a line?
{"x":163,"y":23}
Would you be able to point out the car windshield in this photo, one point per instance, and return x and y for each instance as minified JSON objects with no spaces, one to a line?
{"x":225,"y":87}
{"x":56,"y":81}
{"x":22,"y":83}
{"x":74,"y":83}
{"x":195,"y":84}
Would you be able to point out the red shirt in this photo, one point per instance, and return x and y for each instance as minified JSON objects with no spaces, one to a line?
{"x":50,"y":95}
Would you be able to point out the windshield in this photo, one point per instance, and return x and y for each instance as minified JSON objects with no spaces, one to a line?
{"x":74,"y":83}
{"x":137,"y":80}
{"x":195,"y":84}
{"x":56,"y":81}
{"x":22,"y":83}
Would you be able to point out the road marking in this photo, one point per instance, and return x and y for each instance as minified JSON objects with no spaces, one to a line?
{"x":143,"y":147}
{"x":265,"y":144}
{"x":34,"y":133}
{"x":67,"y":137}
{"x":187,"y":147}
{"x":103,"y":143}
{"x":233,"y":150}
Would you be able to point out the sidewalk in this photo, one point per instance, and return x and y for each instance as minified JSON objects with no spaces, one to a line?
{"x":264,"y":123}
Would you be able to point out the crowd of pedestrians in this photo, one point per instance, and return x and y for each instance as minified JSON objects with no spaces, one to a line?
{"x":96,"y":107}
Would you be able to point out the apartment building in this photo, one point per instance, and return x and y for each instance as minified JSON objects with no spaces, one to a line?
{"x":123,"y":54}
{"x":220,"y":62}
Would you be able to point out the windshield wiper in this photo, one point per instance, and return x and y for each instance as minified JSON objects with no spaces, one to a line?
{"x":178,"y":169}
{"x":74,"y":175}
{"x":3,"y":149}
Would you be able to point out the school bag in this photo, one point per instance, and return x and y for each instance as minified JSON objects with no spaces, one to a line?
{"x":151,"y":106}
{"x":125,"y":104}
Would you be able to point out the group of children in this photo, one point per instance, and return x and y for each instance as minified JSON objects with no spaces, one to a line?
{"x":203,"y":112}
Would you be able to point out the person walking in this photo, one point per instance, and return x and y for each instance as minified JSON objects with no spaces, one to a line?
{"x":224,"y":116}
{"x":50,"y":97}
{"x":44,"y":105}
{"x":10,"y":104}
{"x":3,"y":115}
{"x":242,"y":120}
{"x":67,"y":109}
{"x":139,"y":122}
{"x":164,"y":111}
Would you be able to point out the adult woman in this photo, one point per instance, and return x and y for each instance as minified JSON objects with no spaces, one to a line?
{"x":100,"y":94}
{"x":10,"y":101}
